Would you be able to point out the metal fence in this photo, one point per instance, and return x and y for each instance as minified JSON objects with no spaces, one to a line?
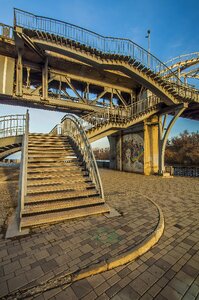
{"x":112,"y":45}
{"x":6,"y":31}
{"x":12,"y":125}
{"x":186,"y":171}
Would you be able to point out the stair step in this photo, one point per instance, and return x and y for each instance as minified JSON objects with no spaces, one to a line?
{"x":33,"y":164}
{"x":53,"y":161}
{"x":55,"y":169}
{"x":64,"y":215}
{"x":46,"y":159}
{"x":46,"y":182}
{"x":59,"y":196}
{"x":51,"y":155}
{"x":48,"y":142}
{"x":60,"y":205}
{"x":56,"y":175}
{"x":53,"y":150}
{"x":59,"y":188}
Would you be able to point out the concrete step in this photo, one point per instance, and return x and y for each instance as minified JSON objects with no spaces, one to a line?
{"x":47,"y":143}
{"x":55,"y":169}
{"x":58,"y":196}
{"x":51,"y":175}
{"x":51,"y":155}
{"x":49,"y":149}
{"x":52,"y":164}
{"x":64,"y":215}
{"x":54,"y":181}
{"x":59,"y":188}
{"x":48,"y":159}
{"x":60,"y":205}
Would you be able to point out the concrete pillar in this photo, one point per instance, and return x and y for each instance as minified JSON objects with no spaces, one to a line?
{"x":151,"y":151}
{"x":19,"y":74}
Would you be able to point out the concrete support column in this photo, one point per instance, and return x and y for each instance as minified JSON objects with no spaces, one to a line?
{"x":19,"y":74}
{"x":45,"y":80}
{"x":151,"y":150}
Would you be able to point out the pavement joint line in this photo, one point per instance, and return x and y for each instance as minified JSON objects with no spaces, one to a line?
{"x":98,"y":267}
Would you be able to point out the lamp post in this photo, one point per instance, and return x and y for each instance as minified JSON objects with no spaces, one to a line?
{"x":148,"y":37}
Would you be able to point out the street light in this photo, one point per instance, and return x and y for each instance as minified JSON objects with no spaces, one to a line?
{"x":148,"y":37}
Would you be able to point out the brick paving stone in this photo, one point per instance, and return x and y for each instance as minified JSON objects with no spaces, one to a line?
{"x":113,"y":290}
{"x":81,"y":288}
{"x":3,"y":289}
{"x":102,"y":288}
{"x":146,"y":297}
{"x":170,"y":293}
{"x":95,"y":281}
{"x":17,"y":282}
{"x":49,"y":265}
{"x":11,"y":267}
{"x":49,"y":294}
{"x":178,"y":285}
{"x":139,"y":286}
{"x":50,"y":248}
{"x":127,"y":293}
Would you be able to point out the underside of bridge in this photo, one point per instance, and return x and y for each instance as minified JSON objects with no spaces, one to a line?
{"x":124,"y":91}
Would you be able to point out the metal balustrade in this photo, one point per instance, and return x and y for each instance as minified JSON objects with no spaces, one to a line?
{"x":120,"y":115}
{"x":110,"y":45}
{"x":12,"y":125}
{"x":71,"y":126}
{"x":6,"y":31}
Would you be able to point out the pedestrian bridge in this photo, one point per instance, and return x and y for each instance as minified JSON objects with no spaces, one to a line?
{"x":118,"y":88}
{"x":55,"y":65}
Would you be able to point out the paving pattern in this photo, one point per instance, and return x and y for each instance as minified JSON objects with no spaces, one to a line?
{"x":167,"y":271}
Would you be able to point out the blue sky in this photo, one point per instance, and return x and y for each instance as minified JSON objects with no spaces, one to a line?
{"x":173,"y":25}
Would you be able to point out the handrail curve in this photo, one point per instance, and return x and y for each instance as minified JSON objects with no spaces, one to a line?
{"x":72,"y":126}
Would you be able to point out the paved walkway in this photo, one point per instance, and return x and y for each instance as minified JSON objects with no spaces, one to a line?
{"x":168,"y":271}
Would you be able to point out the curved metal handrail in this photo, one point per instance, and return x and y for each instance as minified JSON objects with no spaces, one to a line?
{"x":12,"y":125}
{"x":182,"y":57}
{"x":105,"y":44}
{"x":79,"y":136}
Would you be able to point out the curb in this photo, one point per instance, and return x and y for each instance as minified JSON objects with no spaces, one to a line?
{"x":128,"y":256}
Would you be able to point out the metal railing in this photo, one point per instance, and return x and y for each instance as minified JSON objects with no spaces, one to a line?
{"x":6,"y":31}
{"x":72,"y":127}
{"x":12,"y":125}
{"x":120,"y":115}
{"x":105,"y":44}
{"x":23,"y":169}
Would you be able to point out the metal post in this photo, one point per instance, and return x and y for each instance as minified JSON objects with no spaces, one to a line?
{"x":148,"y":37}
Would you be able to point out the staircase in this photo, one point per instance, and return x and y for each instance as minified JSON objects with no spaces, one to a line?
{"x":58,"y":185}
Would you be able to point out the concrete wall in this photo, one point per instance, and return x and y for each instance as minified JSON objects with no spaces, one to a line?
{"x":127,"y":150}
{"x":136,"y":149}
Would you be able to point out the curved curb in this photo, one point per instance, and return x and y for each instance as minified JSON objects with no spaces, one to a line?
{"x":128,"y":256}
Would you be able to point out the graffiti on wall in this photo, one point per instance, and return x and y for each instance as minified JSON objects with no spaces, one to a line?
{"x":133,"y":152}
